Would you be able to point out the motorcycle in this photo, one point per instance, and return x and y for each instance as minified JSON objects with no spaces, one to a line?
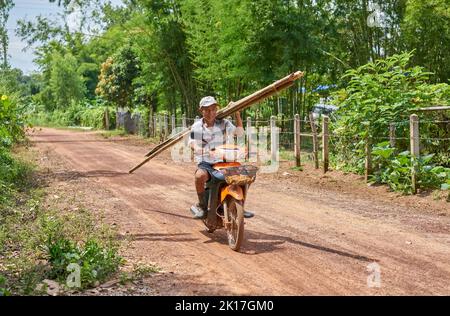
{"x":226,"y":193}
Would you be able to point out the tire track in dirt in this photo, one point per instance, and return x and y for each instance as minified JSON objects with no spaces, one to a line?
{"x":301,"y":241}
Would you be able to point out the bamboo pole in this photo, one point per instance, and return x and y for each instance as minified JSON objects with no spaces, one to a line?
{"x":231,"y":108}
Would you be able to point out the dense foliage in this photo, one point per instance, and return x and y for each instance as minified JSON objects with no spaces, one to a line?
{"x":165,"y":55}
{"x":380,"y":93}
{"x":11,"y":121}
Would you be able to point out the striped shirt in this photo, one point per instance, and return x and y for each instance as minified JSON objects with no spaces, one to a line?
{"x":208,"y":138}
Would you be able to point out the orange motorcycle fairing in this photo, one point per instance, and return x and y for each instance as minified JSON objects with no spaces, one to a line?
{"x":224,"y":165}
{"x":233,"y":190}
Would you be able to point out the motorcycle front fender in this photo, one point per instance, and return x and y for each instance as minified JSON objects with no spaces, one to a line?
{"x":232,"y":190}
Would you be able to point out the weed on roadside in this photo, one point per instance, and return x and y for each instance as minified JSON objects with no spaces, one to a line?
{"x":38,"y":243}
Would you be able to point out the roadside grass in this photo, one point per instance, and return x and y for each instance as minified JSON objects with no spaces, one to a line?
{"x":113,"y":133}
{"x":39,"y":243}
{"x":121,"y":133}
{"x":105,"y":134}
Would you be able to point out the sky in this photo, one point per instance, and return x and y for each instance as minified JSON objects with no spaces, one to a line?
{"x":29,"y":9}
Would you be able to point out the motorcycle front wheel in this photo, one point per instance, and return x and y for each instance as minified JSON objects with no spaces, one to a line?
{"x":234,"y":215}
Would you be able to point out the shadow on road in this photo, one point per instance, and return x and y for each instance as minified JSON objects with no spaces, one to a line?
{"x":257,"y":242}
{"x":170,"y":214}
{"x":179,"y":237}
{"x":73,"y":175}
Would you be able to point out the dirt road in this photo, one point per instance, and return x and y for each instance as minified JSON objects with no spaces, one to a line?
{"x":304,"y":240}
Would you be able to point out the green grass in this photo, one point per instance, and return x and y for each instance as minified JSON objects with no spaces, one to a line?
{"x":38,"y":242}
{"x":287,"y":155}
{"x":113,"y":133}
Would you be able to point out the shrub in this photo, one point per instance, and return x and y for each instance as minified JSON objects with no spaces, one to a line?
{"x":11,"y":121}
{"x":14,"y":174}
{"x":93,"y":117}
{"x":74,"y":113}
{"x":3,"y":290}
{"x":14,"y":170}
{"x":96,"y":262}
{"x":377,"y":94}
{"x":395,"y":170}
{"x":86,"y":113}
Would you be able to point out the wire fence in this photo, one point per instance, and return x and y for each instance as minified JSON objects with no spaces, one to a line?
{"x":286,"y":125}
{"x":433,"y":136}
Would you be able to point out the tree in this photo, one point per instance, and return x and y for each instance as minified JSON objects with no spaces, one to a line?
{"x":161,"y":42}
{"x":65,"y":82}
{"x":426,"y":29}
{"x":5,"y":7}
{"x":117,"y":75}
{"x":218,"y":42}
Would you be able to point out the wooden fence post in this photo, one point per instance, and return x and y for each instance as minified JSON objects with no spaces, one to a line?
{"x":117,"y":118}
{"x":173,"y":125}
{"x":184,"y":121}
{"x":161,"y":127}
{"x":415,"y":150}
{"x":273,"y":140}
{"x":249,"y":137}
{"x":297,"y":140}
{"x":155,"y":125}
{"x":106,"y":119}
{"x":158,"y":122}
{"x":150,"y":124}
{"x":392,"y":135}
{"x":325,"y":154}
{"x":315,"y":141}
{"x":368,"y":163}
{"x":263,"y":141}
{"x":166,"y":127}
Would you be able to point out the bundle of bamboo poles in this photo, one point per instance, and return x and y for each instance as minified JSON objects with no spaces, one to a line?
{"x":231,"y":108}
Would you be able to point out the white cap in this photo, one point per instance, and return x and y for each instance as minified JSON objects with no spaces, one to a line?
{"x":207,"y":101}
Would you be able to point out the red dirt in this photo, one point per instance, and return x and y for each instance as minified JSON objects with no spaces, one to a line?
{"x":312,"y":234}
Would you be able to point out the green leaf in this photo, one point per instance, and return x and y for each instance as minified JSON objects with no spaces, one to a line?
{"x":383,"y":152}
{"x":427,"y":158}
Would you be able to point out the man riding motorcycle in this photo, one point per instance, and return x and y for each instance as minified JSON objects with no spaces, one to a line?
{"x":207,"y":134}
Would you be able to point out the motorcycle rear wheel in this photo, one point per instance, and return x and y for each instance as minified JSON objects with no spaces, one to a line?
{"x":234,"y":214}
